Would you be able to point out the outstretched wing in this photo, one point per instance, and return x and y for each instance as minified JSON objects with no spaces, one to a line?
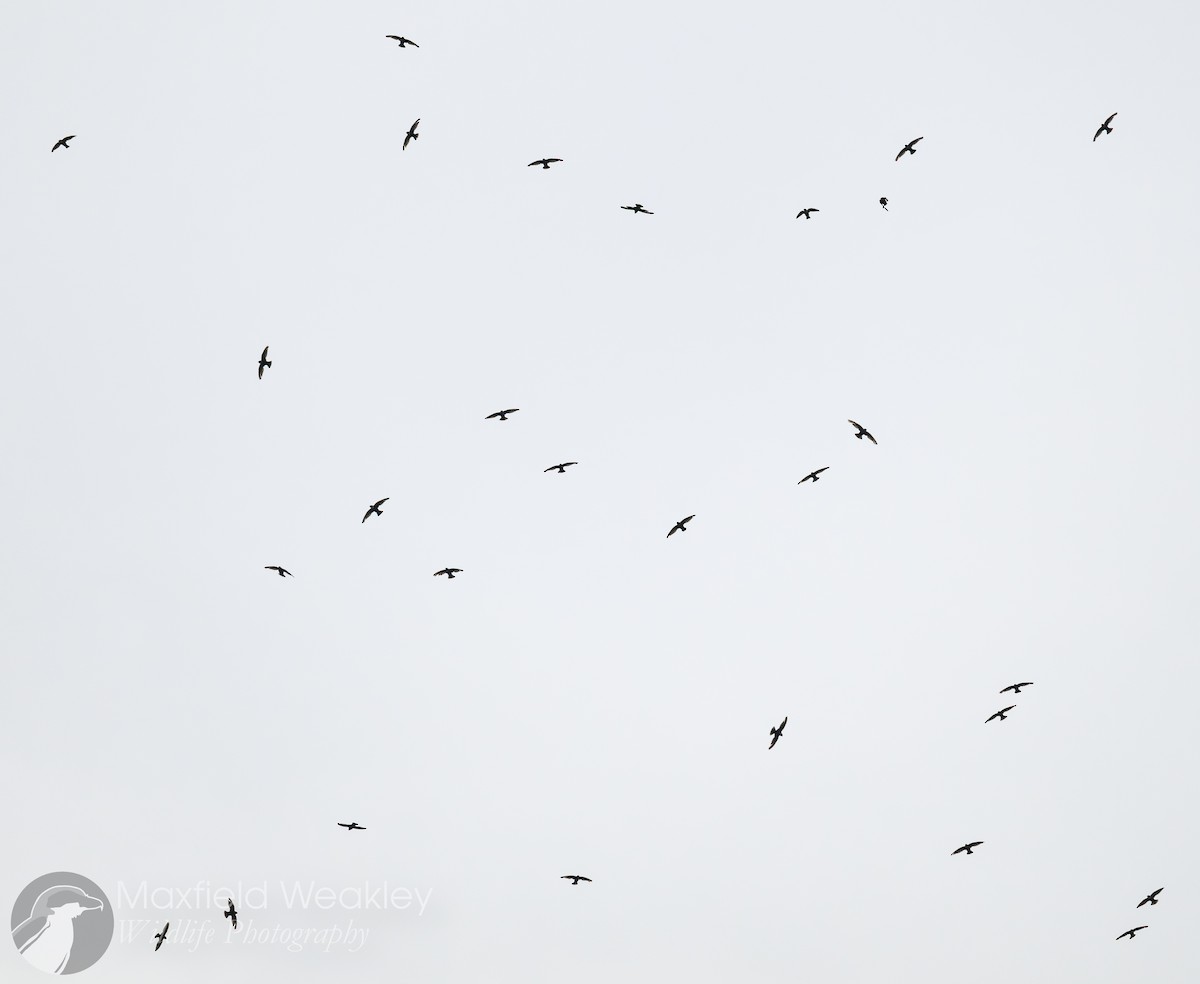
{"x":1106,"y":123}
{"x":857,"y":424}
{"x":870,"y":437}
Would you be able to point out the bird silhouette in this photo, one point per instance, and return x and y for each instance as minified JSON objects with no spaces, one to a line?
{"x":806,"y":212}
{"x":1016,"y":687}
{"x":352,"y":825}
{"x":161,"y":937}
{"x":545,"y":162}
{"x":562,"y":469}
{"x":403,"y":41}
{"x":411,"y":135}
{"x":814,"y":476}
{"x":282,"y":571}
{"x":681,"y":525}
{"x":883,"y":202}
{"x":775,"y":733}
{"x":62,"y":142}
{"x":909,"y":148}
{"x":1104,"y":128}
{"x":46,"y":938}
{"x":1130,"y":932}
{"x":375,"y":509}
{"x":863,"y":432}
{"x":637,"y":208}
{"x":263,"y":362}
{"x":448,"y":571}
{"x":967,"y":848}
{"x":576,"y":879}
{"x":1152,"y":898}
{"x":1001,"y":714}
{"x":231,"y":913}
{"x":502,"y":414}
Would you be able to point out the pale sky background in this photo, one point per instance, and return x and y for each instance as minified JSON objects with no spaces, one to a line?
{"x":1017,"y":330}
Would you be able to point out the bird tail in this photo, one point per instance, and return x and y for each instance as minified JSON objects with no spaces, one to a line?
{"x":268,"y":365}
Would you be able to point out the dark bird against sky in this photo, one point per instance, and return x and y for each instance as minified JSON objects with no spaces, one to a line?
{"x":637,"y":208}
{"x":1104,"y":127}
{"x":576,"y":879}
{"x":814,"y":476}
{"x":375,"y":509}
{"x":1001,"y":714}
{"x":161,"y":937}
{"x":909,"y":148}
{"x":681,"y":525}
{"x":502,"y":414}
{"x":1016,"y":687}
{"x":352,"y":825}
{"x":1152,"y":898}
{"x":562,"y":469}
{"x":863,"y":432}
{"x":967,"y":848}
{"x":231,"y":913}
{"x":776,"y":733}
{"x":806,"y":212}
{"x":62,"y":142}
{"x":883,"y":202}
{"x":282,"y":571}
{"x":403,"y":41}
{"x":411,"y":135}
{"x":1130,"y":932}
{"x":448,"y":571}
{"x":263,"y":362}
{"x":545,"y":162}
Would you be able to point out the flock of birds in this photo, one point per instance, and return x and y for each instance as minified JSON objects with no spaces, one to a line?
{"x":861,"y":432}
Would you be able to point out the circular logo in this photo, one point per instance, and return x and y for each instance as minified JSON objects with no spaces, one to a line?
{"x":62,"y":923}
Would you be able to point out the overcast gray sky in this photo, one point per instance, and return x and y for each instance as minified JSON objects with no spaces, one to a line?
{"x":1018,"y":331}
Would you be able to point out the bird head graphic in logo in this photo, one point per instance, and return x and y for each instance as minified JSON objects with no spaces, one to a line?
{"x":62,"y":923}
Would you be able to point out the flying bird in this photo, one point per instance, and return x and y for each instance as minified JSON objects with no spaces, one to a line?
{"x":883,"y":202}
{"x":967,"y":848}
{"x":637,"y":208}
{"x":909,"y":148}
{"x":283,"y":571}
{"x":263,"y":362}
{"x":62,"y":142}
{"x":1002,"y":714}
{"x":375,"y":509}
{"x":1016,"y":687}
{"x":813,"y":475}
{"x":545,"y":162}
{"x":775,"y":733}
{"x":681,"y":525}
{"x":863,"y":432}
{"x":403,"y":41}
{"x":576,"y":879}
{"x":502,"y":414}
{"x":805,"y":212}
{"x":411,"y":135}
{"x":1152,"y":898}
{"x":352,"y":825}
{"x":161,"y":937}
{"x":1130,"y":932}
{"x":1104,"y":128}
{"x":562,"y":469}
{"x":231,"y":913}
{"x":448,"y":571}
